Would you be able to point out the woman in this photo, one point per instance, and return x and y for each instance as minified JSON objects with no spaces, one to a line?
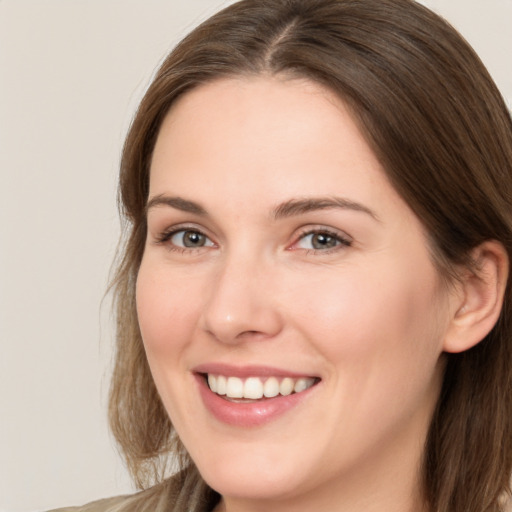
{"x":313,"y":302}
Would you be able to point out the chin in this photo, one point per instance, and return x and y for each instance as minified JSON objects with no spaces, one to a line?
{"x":259,"y":485}
{"x":250,"y":478}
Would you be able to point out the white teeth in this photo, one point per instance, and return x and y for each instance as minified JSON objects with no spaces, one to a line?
{"x":235,"y":387}
{"x":271,"y":387}
{"x":286,"y":386}
{"x":303,"y":384}
{"x":254,"y":388}
{"x":221,"y":385}
{"x":212,"y":382}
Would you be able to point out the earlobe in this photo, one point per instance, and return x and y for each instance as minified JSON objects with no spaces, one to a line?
{"x":481,"y":298}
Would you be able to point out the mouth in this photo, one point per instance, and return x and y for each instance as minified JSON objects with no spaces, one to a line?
{"x":242,"y":390}
{"x":252,"y":396}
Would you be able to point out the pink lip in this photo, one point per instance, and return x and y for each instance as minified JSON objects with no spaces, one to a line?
{"x":244,"y":372}
{"x":246,"y":414}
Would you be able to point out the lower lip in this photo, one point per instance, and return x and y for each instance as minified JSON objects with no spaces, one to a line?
{"x":248,"y":414}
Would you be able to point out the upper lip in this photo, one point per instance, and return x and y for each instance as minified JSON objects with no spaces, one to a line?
{"x":247,"y":371}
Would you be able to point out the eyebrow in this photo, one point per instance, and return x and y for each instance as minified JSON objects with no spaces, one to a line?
{"x":287,"y":209}
{"x":301,"y":206}
{"x":176,"y":202}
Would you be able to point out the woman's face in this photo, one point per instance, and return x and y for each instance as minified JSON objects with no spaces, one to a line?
{"x":279,"y":257}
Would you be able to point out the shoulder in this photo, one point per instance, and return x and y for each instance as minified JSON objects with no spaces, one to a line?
{"x":105,"y":505}
{"x":184,"y":492}
{"x":140,"y":501}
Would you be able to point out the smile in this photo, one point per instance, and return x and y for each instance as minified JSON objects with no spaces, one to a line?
{"x":251,"y":396}
{"x":256,"y":388}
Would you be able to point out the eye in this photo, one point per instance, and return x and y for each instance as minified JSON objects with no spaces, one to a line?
{"x":321,"y":240}
{"x":189,"y":239}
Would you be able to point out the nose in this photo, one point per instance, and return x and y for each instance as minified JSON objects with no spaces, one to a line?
{"x":241,"y":302}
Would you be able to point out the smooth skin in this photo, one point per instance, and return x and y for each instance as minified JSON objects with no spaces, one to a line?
{"x":347,"y":293}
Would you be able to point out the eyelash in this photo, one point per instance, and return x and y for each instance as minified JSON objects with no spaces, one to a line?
{"x":165,"y":237}
{"x":341,"y":241}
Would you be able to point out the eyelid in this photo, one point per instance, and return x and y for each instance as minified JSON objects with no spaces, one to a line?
{"x":164,"y":237}
{"x":343,"y":238}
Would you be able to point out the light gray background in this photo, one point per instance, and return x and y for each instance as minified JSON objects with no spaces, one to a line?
{"x":71,"y":75}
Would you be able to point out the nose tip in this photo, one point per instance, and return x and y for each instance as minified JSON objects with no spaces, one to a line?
{"x":231,"y":329}
{"x":236,"y":317}
{"x":240,"y":307}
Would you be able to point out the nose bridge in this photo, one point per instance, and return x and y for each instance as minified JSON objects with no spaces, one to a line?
{"x":240,"y":302}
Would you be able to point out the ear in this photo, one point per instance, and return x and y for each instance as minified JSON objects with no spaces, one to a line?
{"x":478,"y":304}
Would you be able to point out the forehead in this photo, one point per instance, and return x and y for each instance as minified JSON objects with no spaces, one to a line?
{"x":251,"y":131}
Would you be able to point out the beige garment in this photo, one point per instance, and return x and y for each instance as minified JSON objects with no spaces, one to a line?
{"x":185,"y":492}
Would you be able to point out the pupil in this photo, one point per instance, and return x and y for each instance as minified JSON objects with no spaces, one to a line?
{"x":323,"y":241}
{"x":193,"y":239}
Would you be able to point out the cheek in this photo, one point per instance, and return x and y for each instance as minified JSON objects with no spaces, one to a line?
{"x":381,"y":322}
{"x":381,"y":338}
{"x":166,"y":310}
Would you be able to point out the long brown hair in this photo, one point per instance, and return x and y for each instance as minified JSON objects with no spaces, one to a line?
{"x":435,"y":119}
